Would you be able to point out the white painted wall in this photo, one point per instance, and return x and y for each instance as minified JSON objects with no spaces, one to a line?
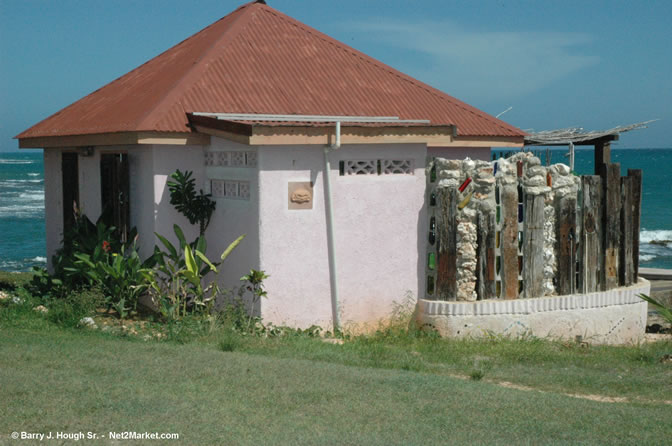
{"x":141,"y":196}
{"x":53,"y":202}
{"x":378,"y":219}
{"x":458,"y":153}
{"x":167,"y":159}
{"x":233,"y":218}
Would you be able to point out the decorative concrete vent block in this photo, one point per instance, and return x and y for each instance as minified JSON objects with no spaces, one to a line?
{"x":238,"y":159}
{"x":222,"y":159}
{"x":237,"y":190}
{"x":217,"y":188}
{"x":391,"y":167}
{"x":361,"y":167}
{"x":244,"y":190}
{"x":251,"y":159}
{"x":231,"y":189}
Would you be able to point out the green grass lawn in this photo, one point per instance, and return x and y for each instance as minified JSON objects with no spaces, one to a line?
{"x":385,"y":389}
{"x":63,"y":380}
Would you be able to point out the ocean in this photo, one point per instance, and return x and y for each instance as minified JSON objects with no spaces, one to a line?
{"x":22,"y":231}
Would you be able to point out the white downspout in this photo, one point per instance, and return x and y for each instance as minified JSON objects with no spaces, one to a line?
{"x":330,"y":230}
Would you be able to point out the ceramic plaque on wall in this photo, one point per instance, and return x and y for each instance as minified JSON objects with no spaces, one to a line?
{"x":300,"y":195}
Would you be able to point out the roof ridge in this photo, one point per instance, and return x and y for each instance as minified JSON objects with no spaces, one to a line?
{"x":415,"y":82}
{"x":191,"y":72}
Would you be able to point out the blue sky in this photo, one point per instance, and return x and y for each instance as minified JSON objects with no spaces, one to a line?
{"x":595,"y":64}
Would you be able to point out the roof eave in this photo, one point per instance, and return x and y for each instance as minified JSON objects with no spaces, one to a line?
{"x":304,"y":134}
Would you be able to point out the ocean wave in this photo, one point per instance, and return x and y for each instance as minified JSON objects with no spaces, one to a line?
{"x":21,"y":210}
{"x":13,"y":182}
{"x":646,"y":257}
{"x":34,"y":174}
{"x":32,"y":195}
{"x":660,"y":235}
{"x":39,"y":259}
{"x":14,"y":161}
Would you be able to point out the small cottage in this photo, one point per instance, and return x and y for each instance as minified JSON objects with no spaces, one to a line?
{"x":260,"y":107}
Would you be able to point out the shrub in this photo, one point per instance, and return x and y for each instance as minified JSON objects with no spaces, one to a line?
{"x":196,"y":207}
{"x":662,"y":309}
{"x":177,"y":281}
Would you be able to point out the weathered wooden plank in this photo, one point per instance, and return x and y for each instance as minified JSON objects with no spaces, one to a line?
{"x":490,"y":275}
{"x":625,"y":267}
{"x":485,"y":256}
{"x":446,"y":231}
{"x":591,"y":255}
{"x":533,"y":246}
{"x":565,"y":211}
{"x":636,"y":175}
{"x":481,"y":255}
{"x":611,"y":222}
{"x":602,"y":155}
{"x":509,"y":241}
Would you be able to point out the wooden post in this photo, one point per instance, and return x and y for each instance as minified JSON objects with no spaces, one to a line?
{"x":602,"y":155}
{"x":509,"y":241}
{"x":591,"y":255}
{"x":636,"y":175}
{"x":611,"y":222}
{"x":565,"y":211}
{"x":625,"y":267}
{"x":485,"y":260}
{"x":446,"y":231}
{"x":533,"y":246}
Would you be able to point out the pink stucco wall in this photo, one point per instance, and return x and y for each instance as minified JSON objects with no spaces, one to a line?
{"x":380,"y":222}
{"x":377,"y":221}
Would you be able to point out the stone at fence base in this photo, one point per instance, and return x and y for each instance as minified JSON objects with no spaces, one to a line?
{"x":559,"y":169}
{"x":448,"y":183}
{"x":537,"y":190}
{"x":536,"y":170}
{"x":536,"y":181}
{"x":617,"y":316}
{"x":449,"y":175}
{"x":533,"y":161}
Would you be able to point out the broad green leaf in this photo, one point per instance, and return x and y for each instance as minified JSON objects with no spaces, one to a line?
{"x":169,"y":246}
{"x":180,"y":236}
{"x":189,"y":261}
{"x":232,"y":246}
{"x":202,"y":256}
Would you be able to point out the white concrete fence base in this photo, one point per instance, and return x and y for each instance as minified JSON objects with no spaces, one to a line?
{"x":616,"y":316}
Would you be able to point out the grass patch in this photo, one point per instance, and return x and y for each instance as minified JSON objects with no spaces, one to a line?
{"x":89,"y":381}
{"x":201,"y":378}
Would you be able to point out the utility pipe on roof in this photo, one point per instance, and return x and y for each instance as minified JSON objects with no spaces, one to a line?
{"x":335,"y":311}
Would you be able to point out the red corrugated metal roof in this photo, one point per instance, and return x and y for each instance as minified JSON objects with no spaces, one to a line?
{"x":258,"y":60}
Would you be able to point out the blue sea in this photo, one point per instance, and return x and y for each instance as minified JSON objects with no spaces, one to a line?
{"x":22,"y":231}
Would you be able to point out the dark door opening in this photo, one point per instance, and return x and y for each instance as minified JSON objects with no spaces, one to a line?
{"x":115,"y":192}
{"x":70,"y":178}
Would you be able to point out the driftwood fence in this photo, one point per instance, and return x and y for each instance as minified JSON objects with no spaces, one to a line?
{"x":513,"y":228}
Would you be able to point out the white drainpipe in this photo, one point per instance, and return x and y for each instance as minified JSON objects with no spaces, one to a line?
{"x":330,"y":230}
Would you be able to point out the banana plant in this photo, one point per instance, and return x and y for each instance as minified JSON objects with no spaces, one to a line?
{"x":178,"y":281}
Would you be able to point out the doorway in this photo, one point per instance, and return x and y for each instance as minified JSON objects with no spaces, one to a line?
{"x":70,"y":179}
{"x":114,"y":183}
